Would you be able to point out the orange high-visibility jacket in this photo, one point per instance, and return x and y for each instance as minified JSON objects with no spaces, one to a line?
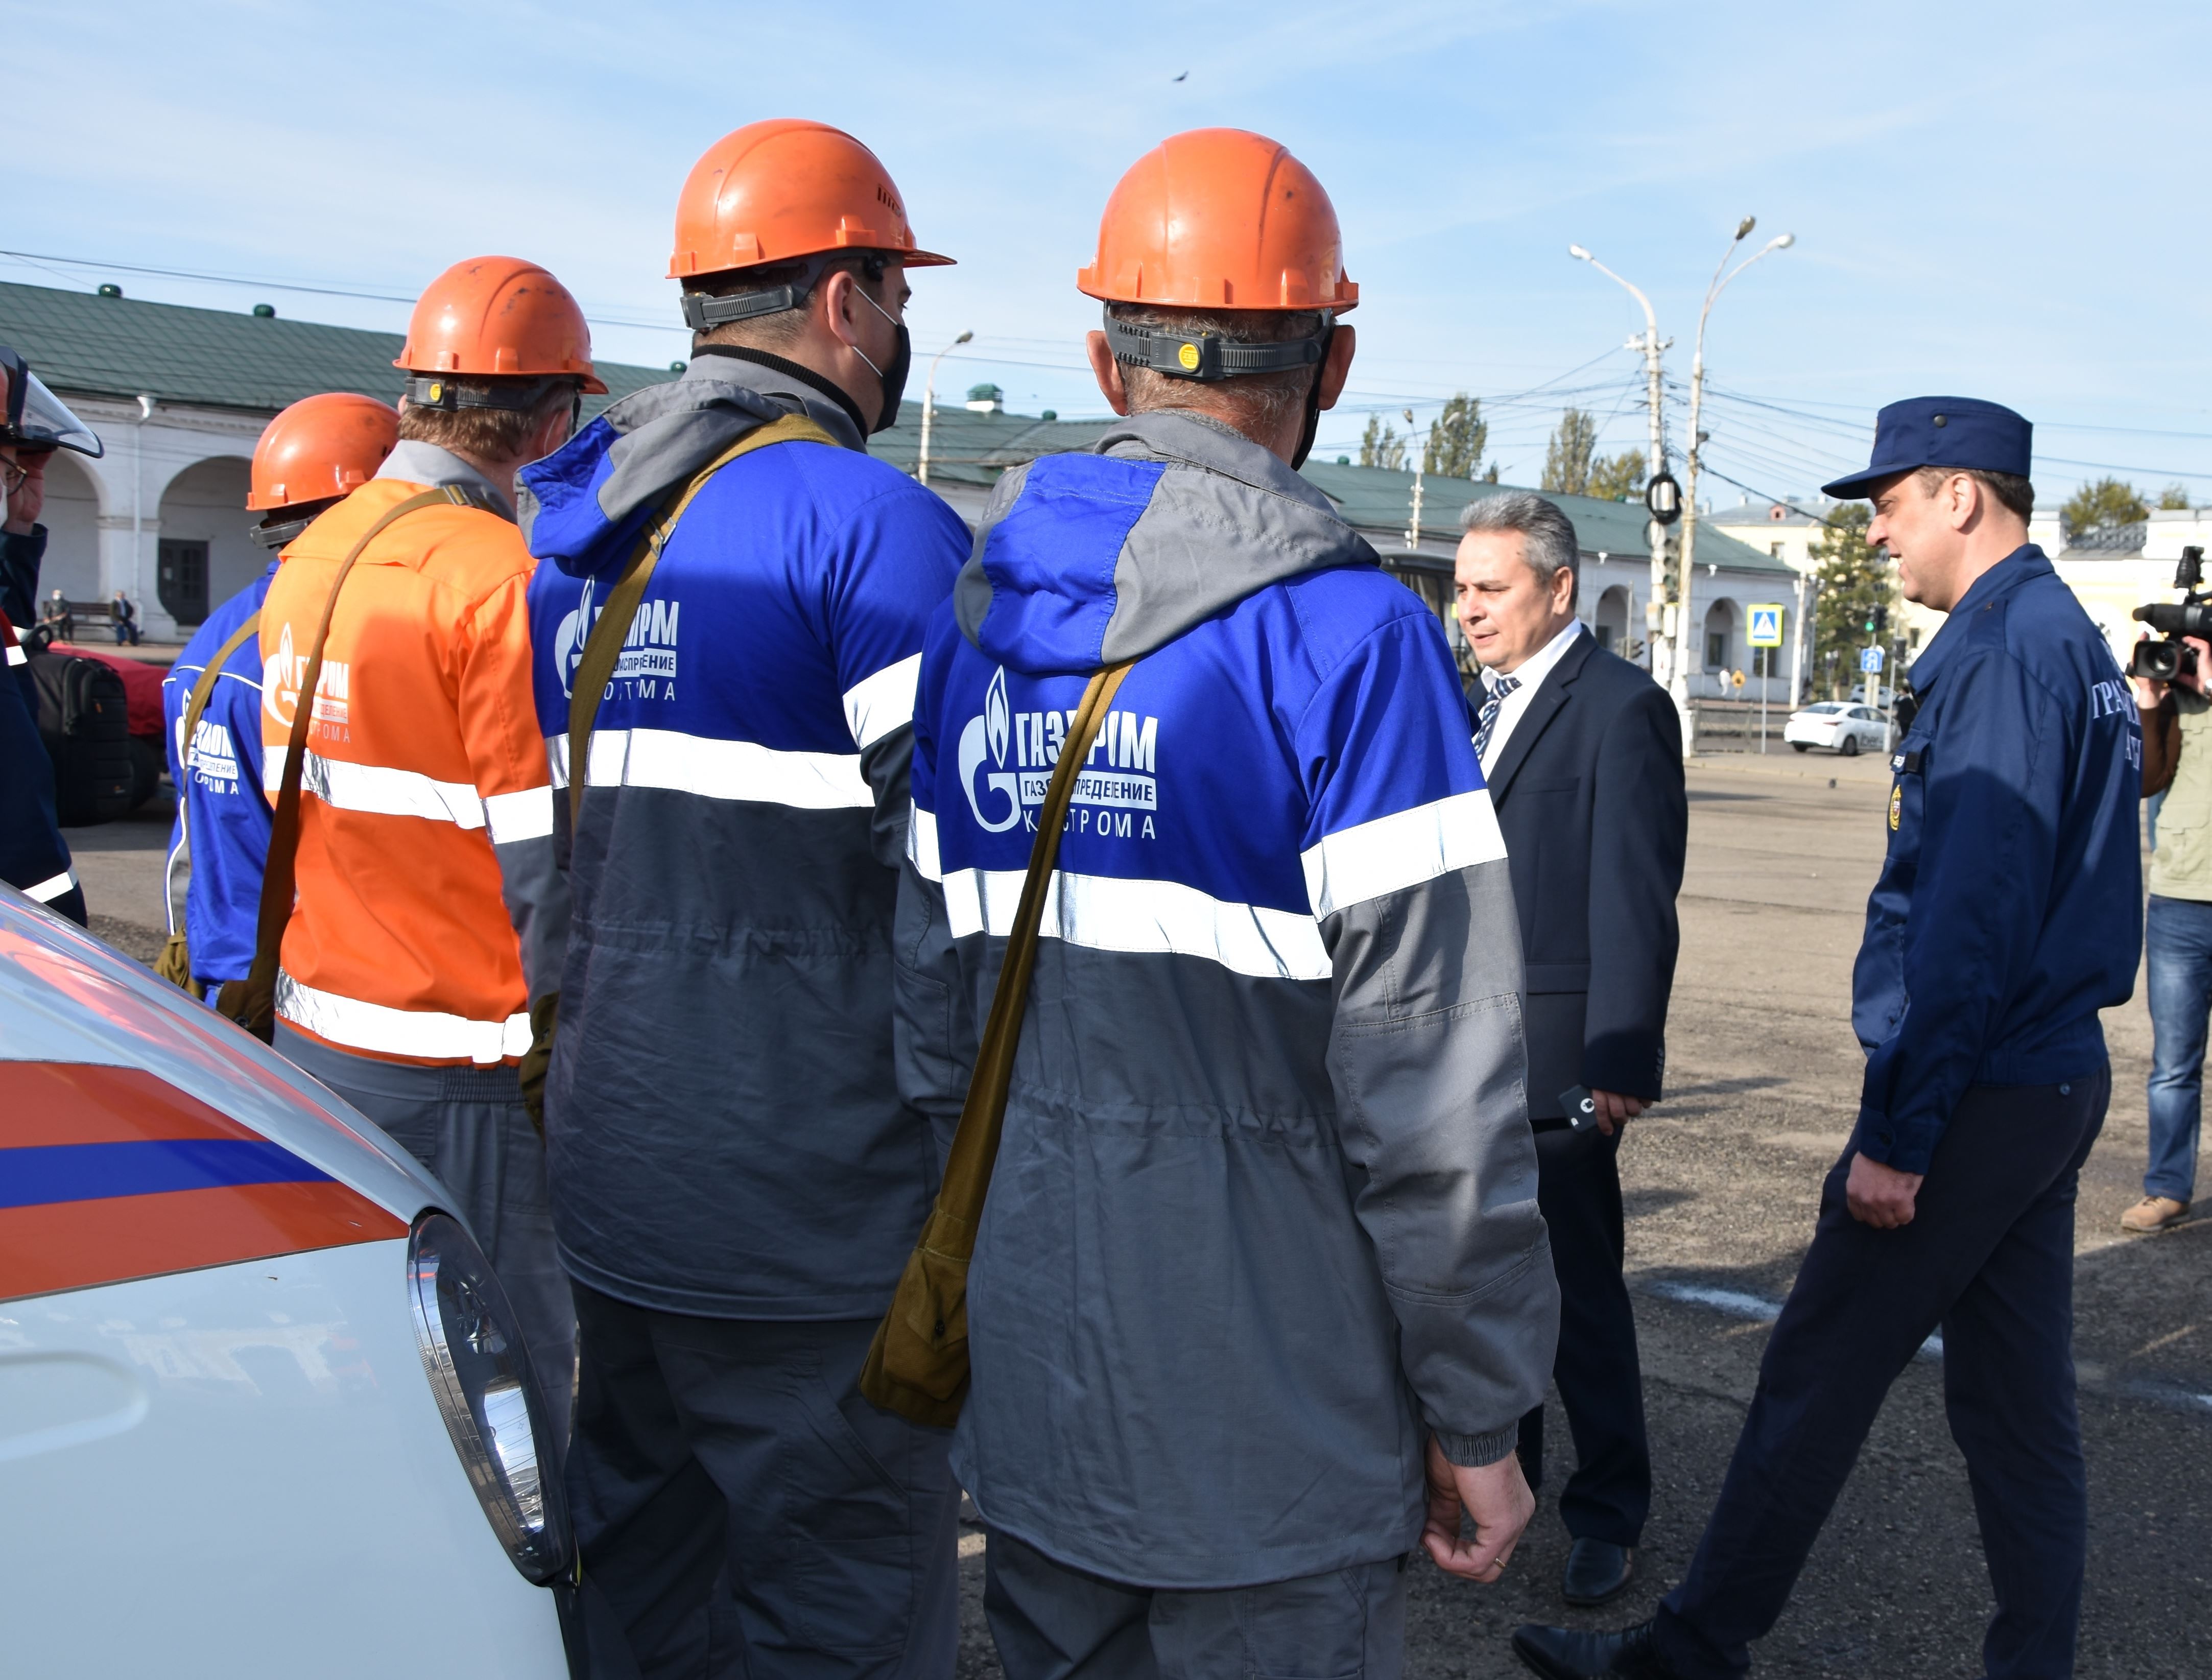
{"x":426,"y":817}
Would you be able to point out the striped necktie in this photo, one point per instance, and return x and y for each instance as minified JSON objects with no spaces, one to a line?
{"x":1486,"y":720}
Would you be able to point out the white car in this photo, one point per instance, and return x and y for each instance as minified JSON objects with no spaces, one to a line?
{"x":262,"y":1409}
{"x":1841,"y":726}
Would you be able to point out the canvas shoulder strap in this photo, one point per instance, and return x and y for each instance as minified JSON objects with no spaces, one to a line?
{"x":251,"y":1002}
{"x":604,"y":646}
{"x":918,"y":1363}
{"x":175,"y":963}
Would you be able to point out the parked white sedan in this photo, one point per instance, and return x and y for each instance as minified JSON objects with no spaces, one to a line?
{"x":262,"y":1409}
{"x":1838,"y":725}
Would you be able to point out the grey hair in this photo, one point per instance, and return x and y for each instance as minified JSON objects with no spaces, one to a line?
{"x":1547,"y":535}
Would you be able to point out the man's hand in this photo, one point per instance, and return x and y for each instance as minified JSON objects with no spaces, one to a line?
{"x":1496,"y":1496}
{"x":2194,"y":680}
{"x":1881,"y":1195}
{"x":1614,"y":1109}
{"x":28,"y":499}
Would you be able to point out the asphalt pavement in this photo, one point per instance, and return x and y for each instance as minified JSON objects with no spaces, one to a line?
{"x":1722,"y":1181}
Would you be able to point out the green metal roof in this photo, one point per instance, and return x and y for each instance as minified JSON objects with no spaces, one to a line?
{"x":1376,"y":498}
{"x":967,"y":448}
{"x":81,"y":344}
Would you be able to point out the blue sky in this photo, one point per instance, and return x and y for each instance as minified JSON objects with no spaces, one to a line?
{"x":1989,"y":200}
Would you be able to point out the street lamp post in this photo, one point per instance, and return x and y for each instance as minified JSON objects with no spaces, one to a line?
{"x":1663,"y":620}
{"x":929,"y":405}
{"x":1779,"y":242}
{"x":1413,"y":448}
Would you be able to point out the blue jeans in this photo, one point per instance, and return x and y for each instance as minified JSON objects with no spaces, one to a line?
{"x":2179,"y":937}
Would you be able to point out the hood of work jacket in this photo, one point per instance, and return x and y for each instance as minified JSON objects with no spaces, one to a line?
{"x":583,"y":506}
{"x":1110,"y":556}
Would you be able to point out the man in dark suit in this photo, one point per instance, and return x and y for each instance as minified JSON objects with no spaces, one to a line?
{"x":1583,"y":755}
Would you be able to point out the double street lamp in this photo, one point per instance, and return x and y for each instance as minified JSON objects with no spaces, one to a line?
{"x":1669,"y":641}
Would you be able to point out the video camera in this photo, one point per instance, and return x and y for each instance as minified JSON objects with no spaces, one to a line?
{"x":2164,"y":661}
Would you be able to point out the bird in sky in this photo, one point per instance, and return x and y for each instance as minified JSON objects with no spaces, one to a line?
{"x":1185,"y":76}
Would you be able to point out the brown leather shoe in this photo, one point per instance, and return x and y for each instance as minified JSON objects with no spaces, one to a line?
{"x":2154,"y":1212}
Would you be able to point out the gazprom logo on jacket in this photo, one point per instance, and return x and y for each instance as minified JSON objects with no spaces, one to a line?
{"x":285,"y":670}
{"x":646,"y":664}
{"x":1015,"y":752}
{"x":214,"y":758}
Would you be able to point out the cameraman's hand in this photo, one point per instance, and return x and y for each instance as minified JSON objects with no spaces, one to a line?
{"x":2193,"y":679}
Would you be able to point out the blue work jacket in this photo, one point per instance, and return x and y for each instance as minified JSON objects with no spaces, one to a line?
{"x":2009,"y":909}
{"x":220,"y":805}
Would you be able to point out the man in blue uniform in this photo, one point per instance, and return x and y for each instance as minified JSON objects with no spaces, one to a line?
{"x":2009,"y":912}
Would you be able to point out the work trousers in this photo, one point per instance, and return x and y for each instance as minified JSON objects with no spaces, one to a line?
{"x":1052,"y":1622}
{"x":468,"y":1127}
{"x":1599,"y":1380}
{"x":742,"y":1511}
{"x":2178,"y":953}
{"x":1989,"y":1258}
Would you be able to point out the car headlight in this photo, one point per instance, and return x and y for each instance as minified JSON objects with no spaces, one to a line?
{"x":480,"y":1372}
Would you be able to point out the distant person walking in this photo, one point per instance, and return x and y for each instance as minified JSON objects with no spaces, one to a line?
{"x":126,"y":620}
{"x":2007,"y":913}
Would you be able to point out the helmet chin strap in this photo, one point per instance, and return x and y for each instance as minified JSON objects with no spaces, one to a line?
{"x":1313,"y":398}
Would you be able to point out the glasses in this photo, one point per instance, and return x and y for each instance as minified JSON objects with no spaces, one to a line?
{"x":13,"y":477}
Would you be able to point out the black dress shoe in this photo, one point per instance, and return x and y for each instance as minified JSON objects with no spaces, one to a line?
{"x":1596,"y":1571}
{"x":1566,"y":1653}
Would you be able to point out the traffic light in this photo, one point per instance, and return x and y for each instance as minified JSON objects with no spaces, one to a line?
{"x":1877,"y":620}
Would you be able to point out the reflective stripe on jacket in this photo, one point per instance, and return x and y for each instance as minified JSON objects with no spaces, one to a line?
{"x":426,"y":818}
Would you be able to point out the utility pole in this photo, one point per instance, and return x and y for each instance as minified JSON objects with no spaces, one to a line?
{"x":1797,"y":649}
{"x":1779,"y":242}
{"x":929,"y":405}
{"x":1413,"y":448}
{"x":1663,"y":616}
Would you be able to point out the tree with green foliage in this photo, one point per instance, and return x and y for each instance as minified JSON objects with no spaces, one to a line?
{"x":1618,"y":477}
{"x":2100,"y":506}
{"x":2174,"y":497}
{"x":1855,"y":577}
{"x":1567,"y":456}
{"x":1458,"y":440}
{"x":1381,"y":446}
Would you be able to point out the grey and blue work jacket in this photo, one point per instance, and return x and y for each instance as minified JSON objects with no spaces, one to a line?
{"x":2010,"y":908}
{"x":1264,"y":1217}
{"x":723,"y":1134}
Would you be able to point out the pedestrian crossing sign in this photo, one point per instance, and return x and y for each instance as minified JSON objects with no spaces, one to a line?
{"x":1766,"y":626}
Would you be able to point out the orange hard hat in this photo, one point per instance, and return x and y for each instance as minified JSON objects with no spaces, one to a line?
{"x":498,"y":315}
{"x":777,"y":191}
{"x":321,"y":447}
{"x":1219,"y":218}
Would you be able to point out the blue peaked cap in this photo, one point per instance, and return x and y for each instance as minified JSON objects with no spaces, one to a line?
{"x":1962,"y":433}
